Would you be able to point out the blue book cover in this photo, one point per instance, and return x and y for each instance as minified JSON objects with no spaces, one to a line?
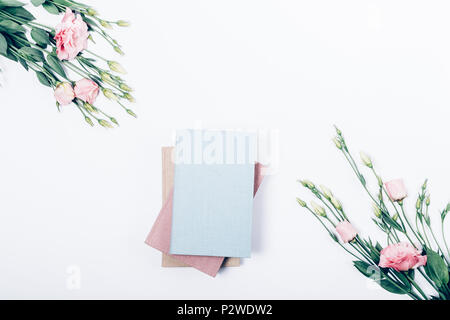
{"x":213,"y":193}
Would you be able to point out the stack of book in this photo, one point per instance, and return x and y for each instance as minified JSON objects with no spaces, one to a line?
{"x":209,"y":181}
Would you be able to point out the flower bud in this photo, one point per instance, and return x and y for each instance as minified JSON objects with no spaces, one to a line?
{"x":337,"y":143}
{"x":307,"y":184}
{"x":116,"y":67}
{"x":105,"y":24}
{"x":89,"y":121}
{"x":129,"y":97}
{"x":119,"y":51}
{"x":320,"y":211}
{"x":301,"y":202}
{"x":64,"y":93}
{"x":92,"y":12}
{"x":336,"y":203}
{"x":123,"y":23}
{"x":125,"y":87}
{"x":113,"y":120}
{"x":106,"y":77}
{"x":131,"y":113}
{"x":395,"y":217}
{"x":88,"y":107}
{"x":346,"y":231}
{"x":376,"y":210}
{"x":326,"y":192}
{"x":105,"y":124}
{"x":396,"y":190}
{"x":428,"y":201}
{"x":419,"y":203}
{"x":445,"y":212}
{"x":425,"y":184}
{"x":366,"y":160}
{"x":109,"y":94}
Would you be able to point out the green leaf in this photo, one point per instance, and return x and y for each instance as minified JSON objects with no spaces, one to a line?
{"x":54,"y":63}
{"x":436,"y":268}
{"x":387,"y":218}
{"x":23,"y":63}
{"x":37,"y":3}
{"x":362,"y":179}
{"x":32,"y":53}
{"x":20,"y":12}
{"x":64,"y":3}
{"x":9,"y":55}
{"x":50,"y":7}
{"x":364,"y":268}
{"x":40,"y":36}
{"x":388,"y":286}
{"x":379,"y":247}
{"x":11,"y":27}
{"x":90,"y":21}
{"x":3,"y":44}
{"x":11,"y":3}
{"x":49,"y":70}
{"x":43,"y":79}
{"x":404,"y":279}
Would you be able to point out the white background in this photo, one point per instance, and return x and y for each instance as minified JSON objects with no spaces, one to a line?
{"x":71,"y":195}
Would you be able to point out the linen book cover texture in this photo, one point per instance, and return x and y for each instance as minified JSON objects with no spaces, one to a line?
{"x":160,"y":235}
{"x":213,"y":193}
{"x":168,"y":171}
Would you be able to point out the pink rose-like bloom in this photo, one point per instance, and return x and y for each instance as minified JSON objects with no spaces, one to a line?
{"x":396,"y":190}
{"x":71,"y":36}
{"x":347,"y":232}
{"x":401,"y":257}
{"x":86,"y":90}
{"x":64,"y":93}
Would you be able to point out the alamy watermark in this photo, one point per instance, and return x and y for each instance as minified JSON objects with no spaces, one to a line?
{"x":227,"y":148}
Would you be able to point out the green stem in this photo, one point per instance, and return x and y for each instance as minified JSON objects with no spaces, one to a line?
{"x":329,"y":208}
{"x":25,"y":22}
{"x":438,"y":245}
{"x":409,"y":225}
{"x":443,"y":235}
{"x":427,"y":241}
{"x":431,"y":283}
{"x":96,"y":55}
{"x":417,"y":287}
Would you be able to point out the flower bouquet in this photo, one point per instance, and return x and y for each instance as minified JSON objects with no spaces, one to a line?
{"x":56,"y":54}
{"x":412,"y":248}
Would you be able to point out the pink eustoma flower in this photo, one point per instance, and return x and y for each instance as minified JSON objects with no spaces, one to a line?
{"x":347,"y":232}
{"x":64,"y":93}
{"x":396,"y":190}
{"x":401,"y":257}
{"x":71,"y":36}
{"x":86,"y":90}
